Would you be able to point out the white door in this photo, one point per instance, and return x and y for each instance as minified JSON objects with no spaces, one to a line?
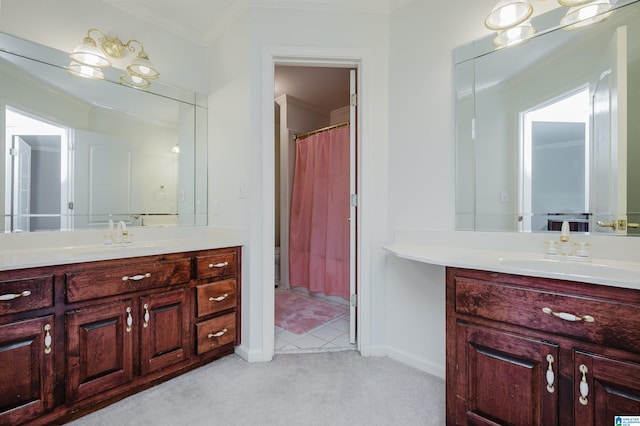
{"x":353,"y":287}
{"x":104,"y":180}
{"x":609,"y":120}
{"x":21,"y":205}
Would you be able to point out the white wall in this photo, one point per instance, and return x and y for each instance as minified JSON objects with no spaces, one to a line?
{"x":422,"y":166}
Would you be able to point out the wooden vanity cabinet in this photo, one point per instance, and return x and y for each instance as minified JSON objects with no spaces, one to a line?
{"x":164,"y":330}
{"x":122,"y":325}
{"x":27,"y":375}
{"x":534,"y":351}
{"x":27,"y":356}
{"x":99,"y":349}
{"x":217,"y":323}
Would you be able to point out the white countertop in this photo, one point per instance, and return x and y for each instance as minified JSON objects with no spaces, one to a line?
{"x":455,"y":252}
{"x":58,"y":248}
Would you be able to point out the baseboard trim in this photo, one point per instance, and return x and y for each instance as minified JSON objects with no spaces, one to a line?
{"x":251,"y":356}
{"x":422,"y":364}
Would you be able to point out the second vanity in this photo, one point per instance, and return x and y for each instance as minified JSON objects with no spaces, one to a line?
{"x":79,"y":332}
{"x":534,"y":341}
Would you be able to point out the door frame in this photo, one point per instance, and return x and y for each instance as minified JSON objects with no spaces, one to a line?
{"x":287,"y":55}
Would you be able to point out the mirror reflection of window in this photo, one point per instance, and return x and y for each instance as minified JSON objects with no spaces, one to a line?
{"x":555,"y":164}
{"x":36,"y":174}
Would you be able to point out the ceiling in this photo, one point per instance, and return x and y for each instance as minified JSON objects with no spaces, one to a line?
{"x":326,"y":88}
{"x":201,"y":21}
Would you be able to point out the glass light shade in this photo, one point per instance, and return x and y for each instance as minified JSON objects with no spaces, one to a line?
{"x":88,"y":53}
{"x":143,"y":67}
{"x":85,"y":71}
{"x":514,"y":35}
{"x":573,"y":3}
{"x":176,"y":149}
{"x":588,"y":14}
{"x":508,"y":13}
{"x":134,"y":80}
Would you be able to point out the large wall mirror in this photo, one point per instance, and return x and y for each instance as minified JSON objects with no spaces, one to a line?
{"x":549,"y":130}
{"x":78,"y":152}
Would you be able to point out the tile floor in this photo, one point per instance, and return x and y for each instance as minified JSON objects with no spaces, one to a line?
{"x":330,"y":336}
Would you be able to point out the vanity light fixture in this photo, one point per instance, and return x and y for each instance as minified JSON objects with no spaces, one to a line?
{"x":514,"y":35}
{"x":511,"y":18}
{"x":587,"y":14}
{"x":508,"y":13}
{"x":176,"y":149}
{"x":97,"y":51}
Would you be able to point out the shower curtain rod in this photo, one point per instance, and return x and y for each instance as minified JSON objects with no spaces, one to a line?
{"x":324,"y":129}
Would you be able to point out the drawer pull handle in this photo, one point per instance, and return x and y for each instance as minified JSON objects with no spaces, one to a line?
{"x":568,"y":317}
{"x":218,"y":334}
{"x":47,"y":339}
{"x":145,"y":324}
{"x":129,"y":320}
{"x":136,"y":277}
{"x":551,"y":377}
{"x":12,"y":296}
{"x":584,"y":386}
{"x":219,"y":298}
{"x":218,"y":265}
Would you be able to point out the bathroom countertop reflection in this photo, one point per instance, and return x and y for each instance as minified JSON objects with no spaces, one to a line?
{"x":46,"y":249}
{"x":624,"y":274}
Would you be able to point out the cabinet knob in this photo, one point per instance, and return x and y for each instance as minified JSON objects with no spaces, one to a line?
{"x":11,"y":296}
{"x":145,"y":324}
{"x":584,"y":386}
{"x":551,"y":377}
{"x":136,"y":277}
{"x":568,"y":317}
{"x":219,"y":298}
{"x":218,"y":265}
{"x":218,"y":334}
{"x":48,"y":340}
{"x":129,"y":320}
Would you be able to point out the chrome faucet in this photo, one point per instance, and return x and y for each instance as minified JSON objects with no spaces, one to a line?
{"x":123,"y":235}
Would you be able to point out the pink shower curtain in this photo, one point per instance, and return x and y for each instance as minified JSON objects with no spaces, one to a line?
{"x":319,"y":226}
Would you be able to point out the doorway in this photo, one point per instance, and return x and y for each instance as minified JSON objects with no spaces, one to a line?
{"x":313,"y":106}
{"x":37,"y":180}
{"x":555,"y":164}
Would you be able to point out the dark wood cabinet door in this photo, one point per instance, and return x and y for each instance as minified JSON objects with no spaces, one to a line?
{"x":509,"y":379}
{"x":99,"y":348}
{"x":164,"y":335}
{"x":27,"y":376}
{"x":604,"y":389}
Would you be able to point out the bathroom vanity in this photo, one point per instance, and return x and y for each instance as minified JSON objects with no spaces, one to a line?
{"x":81,"y":335}
{"x":536,"y":351}
{"x":532,"y":340}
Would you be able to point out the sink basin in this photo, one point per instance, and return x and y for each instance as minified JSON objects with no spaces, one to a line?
{"x":617,"y":271}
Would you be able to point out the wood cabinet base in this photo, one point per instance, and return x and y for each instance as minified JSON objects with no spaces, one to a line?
{"x":511,"y":361}
{"x":75,"y":338}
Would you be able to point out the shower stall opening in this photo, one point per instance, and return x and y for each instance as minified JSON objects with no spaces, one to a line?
{"x":319,"y":224}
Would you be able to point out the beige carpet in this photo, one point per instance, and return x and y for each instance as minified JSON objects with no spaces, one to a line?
{"x":333,"y":388}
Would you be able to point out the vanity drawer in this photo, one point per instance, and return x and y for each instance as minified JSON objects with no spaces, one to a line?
{"x":26,"y":294}
{"x":222,"y":264}
{"x":215,"y":333}
{"x":614,"y":323}
{"x":216,"y":297}
{"x":103,"y":282}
